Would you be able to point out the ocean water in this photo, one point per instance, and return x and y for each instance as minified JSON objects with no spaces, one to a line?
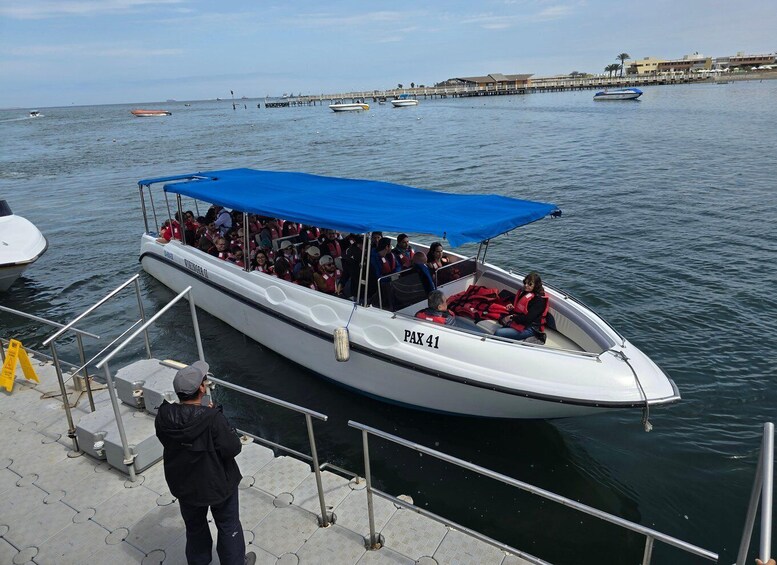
{"x":668,"y":232}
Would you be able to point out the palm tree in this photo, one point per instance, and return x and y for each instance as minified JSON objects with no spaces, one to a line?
{"x":622,"y":57}
{"x":611,"y":69}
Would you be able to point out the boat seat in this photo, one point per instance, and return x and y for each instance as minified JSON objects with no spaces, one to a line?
{"x":555,"y":339}
{"x":407,"y":289}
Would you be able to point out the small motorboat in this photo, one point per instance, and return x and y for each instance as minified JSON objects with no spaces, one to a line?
{"x":21,"y":244}
{"x":619,"y":94}
{"x":35,"y":114}
{"x":403,"y":101}
{"x":150,"y":113}
{"x":355,"y":106}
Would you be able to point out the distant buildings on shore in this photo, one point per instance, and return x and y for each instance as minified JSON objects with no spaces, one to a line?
{"x":695,"y":63}
{"x":699,"y":63}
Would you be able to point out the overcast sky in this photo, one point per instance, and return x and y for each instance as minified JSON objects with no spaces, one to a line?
{"x":62,"y":52}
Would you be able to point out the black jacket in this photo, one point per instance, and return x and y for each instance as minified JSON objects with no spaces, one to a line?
{"x":199,"y":453}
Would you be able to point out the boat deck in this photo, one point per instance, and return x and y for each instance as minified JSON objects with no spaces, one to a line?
{"x":56,"y":508}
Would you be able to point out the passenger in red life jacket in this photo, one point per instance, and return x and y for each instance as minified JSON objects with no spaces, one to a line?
{"x":290,"y":228}
{"x":330,"y":244}
{"x":221,"y":250}
{"x":289,"y":252}
{"x":262,"y":262}
{"x":438,"y":310}
{"x":309,"y":233}
{"x":282,"y":270}
{"x":271,"y":231}
{"x":403,"y":251}
{"x":308,"y":258}
{"x":305,"y":278}
{"x":237,"y":256}
{"x":436,"y":256}
{"x":530,"y":312}
{"x":328,"y":279}
{"x":168,"y":233}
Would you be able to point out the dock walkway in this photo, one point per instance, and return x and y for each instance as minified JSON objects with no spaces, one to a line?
{"x":58,"y":507}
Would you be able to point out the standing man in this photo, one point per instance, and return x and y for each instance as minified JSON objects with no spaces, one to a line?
{"x":199,"y":458}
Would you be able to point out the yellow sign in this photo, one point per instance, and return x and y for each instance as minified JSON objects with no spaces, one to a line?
{"x":16,"y":354}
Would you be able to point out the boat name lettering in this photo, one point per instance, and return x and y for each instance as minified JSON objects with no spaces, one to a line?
{"x":420,"y":338}
{"x":196,"y":268}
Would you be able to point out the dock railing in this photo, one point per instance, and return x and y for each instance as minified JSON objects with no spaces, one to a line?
{"x":326,"y":517}
{"x":374,"y":542}
{"x":763,"y":486}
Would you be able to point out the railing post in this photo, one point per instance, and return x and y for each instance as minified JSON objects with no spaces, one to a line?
{"x":317,"y":471}
{"x":71,"y":430}
{"x":368,"y":478}
{"x":143,"y":317}
{"x":648,"y":555}
{"x":767,"y":492}
{"x":195,"y":324}
{"x":129,"y":458}
{"x":752,"y":508}
{"x":88,"y":385}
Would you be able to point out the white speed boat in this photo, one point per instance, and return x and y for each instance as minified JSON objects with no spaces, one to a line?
{"x":585,"y":367}
{"x":403,"y":101}
{"x":35,"y":114}
{"x":21,"y":244}
{"x":619,"y":94}
{"x":356,"y":106}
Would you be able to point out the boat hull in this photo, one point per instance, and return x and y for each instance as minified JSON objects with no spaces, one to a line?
{"x":404,"y":103}
{"x":466,"y":375}
{"x":627,"y":94}
{"x":21,"y":244}
{"x":349,"y":107}
{"x":150,"y":113}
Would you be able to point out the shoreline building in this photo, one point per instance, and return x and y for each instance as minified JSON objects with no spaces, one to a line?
{"x":494,"y":81}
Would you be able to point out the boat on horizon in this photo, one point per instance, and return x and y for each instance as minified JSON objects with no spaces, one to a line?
{"x":35,"y":114}
{"x":150,"y":113}
{"x":404,"y":100}
{"x":21,"y":244}
{"x":585,"y":366}
{"x":618,"y":94}
{"x":355,"y":106}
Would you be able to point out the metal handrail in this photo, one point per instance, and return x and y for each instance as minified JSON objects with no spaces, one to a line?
{"x":763,"y":485}
{"x":129,"y":457}
{"x":309,"y":414}
{"x":650,"y":534}
{"x":45,"y":321}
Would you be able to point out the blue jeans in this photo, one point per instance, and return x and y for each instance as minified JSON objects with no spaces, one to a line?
{"x":512,"y":333}
{"x":231,"y":546}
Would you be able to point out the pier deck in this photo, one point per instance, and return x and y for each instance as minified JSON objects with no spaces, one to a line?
{"x":59,"y":507}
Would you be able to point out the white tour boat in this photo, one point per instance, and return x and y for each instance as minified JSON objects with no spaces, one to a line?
{"x":585,"y":367}
{"x":619,"y":94}
{"x":342,"y":106}
{"x":21,"y":244}
{"x":403,"y":101}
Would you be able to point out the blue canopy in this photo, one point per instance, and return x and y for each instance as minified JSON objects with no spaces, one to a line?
{"x":358,"y":206}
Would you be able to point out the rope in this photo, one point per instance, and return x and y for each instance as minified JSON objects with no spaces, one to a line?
{"x":646,"y":410}
{"x":351,"y":316}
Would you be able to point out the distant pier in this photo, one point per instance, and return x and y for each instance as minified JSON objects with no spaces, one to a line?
{"x":535,"y":86}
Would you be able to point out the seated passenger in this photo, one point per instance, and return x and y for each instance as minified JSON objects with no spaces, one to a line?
{"x":375,"y":238}
{"x":289,"y":252}
{"x":237,"y":256}
{"x":221,"y":249}
{"x":403,"y":251}
{"x":308,"y":258}
{"x":262,"y":262}
{"x":437,"y":258}
{"x":438,"y":309}
{"x":290,"y":228}
{"x":329,"y":243}
{"x":419,"y":266}
{"x":328,"y":279}
{"x":309,"y":233}
{"x":305,"y":278}
{"x":530,"y":312}
{"x":382,"y":260}
{"x":282,"y":270}
{"x":271,"y":231}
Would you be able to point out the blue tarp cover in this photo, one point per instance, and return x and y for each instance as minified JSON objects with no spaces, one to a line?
{"x":358,"y":206}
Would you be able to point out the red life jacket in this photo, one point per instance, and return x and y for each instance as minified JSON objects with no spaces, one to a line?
{"x":175,"y":233}
{"x":291,"y":228}
{"x":521,"y":306}
{"x":405,"y":257}
{"x":333,"y":247}
{"x":388,"y":264}
{"x":225,"y":255}
{"x":430,"y":315}
{"x":266,"y":268}
{"x":331,"y":281}
{"x":478,"y":303}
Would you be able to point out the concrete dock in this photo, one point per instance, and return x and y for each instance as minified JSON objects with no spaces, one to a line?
{"x":60,"y":507}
